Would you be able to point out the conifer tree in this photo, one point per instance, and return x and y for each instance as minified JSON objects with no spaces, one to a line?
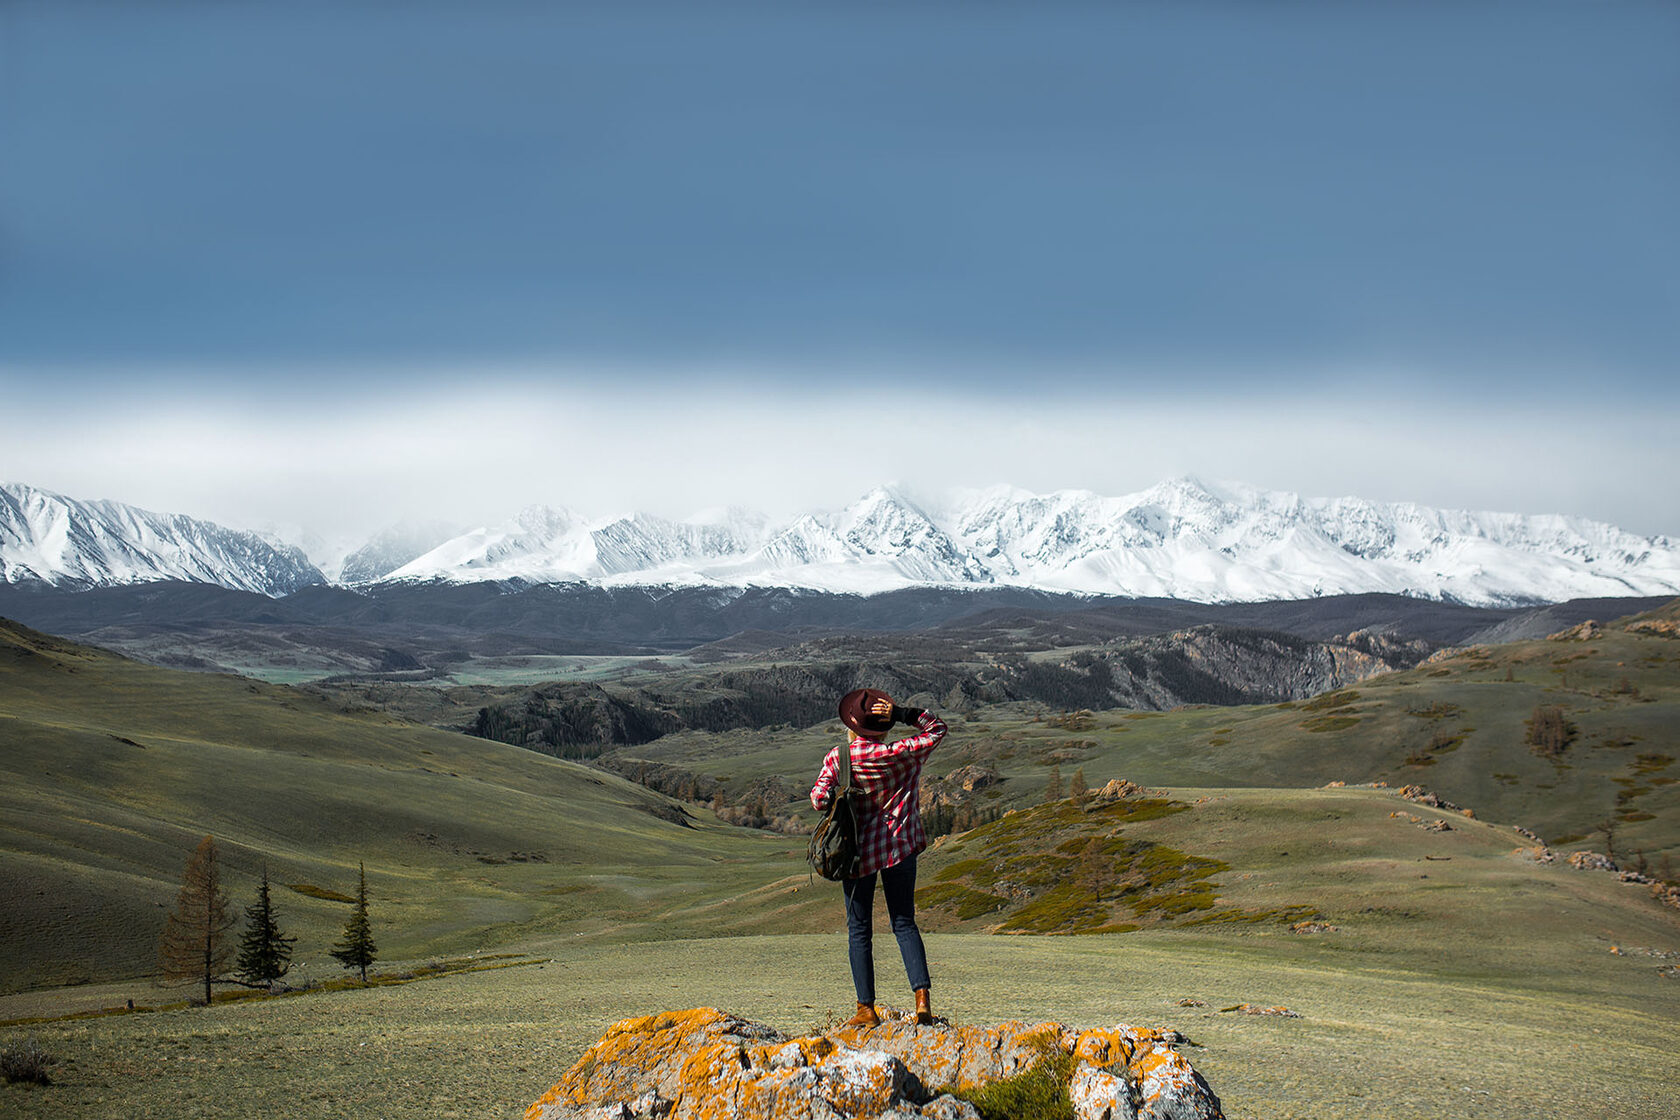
{"x":356,"y":950}
{"x":264,"y":955}
{"x":1053,"y":787}
{"x":1077,"y":789}
{"x":194,"y":945}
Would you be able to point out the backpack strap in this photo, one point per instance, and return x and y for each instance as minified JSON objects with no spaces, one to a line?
{"x":845,"y":761}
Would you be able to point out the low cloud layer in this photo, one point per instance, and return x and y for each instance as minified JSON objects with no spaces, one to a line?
{"x":341,"y":467}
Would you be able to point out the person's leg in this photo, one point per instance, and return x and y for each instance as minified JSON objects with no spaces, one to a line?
{"x":860,"y":907}
{"x":898,"y":883}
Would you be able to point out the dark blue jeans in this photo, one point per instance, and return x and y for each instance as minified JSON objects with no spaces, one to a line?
{"x":898,"y":883}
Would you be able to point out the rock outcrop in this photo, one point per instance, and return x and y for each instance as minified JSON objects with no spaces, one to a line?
{"x":962,"y":786}
{"x":706,"y":1065}
{"x":1117,"y":789}
{"x":1591,"y":861}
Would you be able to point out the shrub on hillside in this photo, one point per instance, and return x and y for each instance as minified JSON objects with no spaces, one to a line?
{"x":1082,"y":720}
{"x":1549,"y":732}
{"x":26,"y":1061}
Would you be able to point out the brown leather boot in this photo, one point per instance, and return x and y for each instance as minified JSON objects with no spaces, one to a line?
{"x":865,"y":1017}
{"x":924,"y":1008}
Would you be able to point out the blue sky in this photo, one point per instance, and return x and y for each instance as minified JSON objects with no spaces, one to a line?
{"x":1422,"y":222}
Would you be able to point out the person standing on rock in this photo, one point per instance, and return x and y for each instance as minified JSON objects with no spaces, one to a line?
{"x":887,"y":776}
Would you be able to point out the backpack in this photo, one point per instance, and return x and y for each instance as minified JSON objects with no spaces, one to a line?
{"x":835,"y":851}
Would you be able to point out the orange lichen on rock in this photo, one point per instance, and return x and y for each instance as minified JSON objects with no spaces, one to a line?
{"x":1148,"y":1062}
{"x":1104,"y":1048}
{"x":707,"y":1065}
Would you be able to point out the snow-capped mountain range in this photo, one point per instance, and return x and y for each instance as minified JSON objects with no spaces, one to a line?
{"x":1183,"y":539}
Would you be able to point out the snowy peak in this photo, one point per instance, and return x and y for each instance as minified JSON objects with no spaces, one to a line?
{"x":642,"y":542}
{"x":542,"y":544}
{"x":887,"y":527}
{"x":393,"y":547}
{"x":807,"y":542}
{"x":51,"y":539}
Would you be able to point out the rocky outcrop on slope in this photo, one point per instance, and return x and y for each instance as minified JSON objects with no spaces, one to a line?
{"x":704,"y":1064}
{"x":1588,"y":631}
{"x":960,"y":787}
{"x":1117,"y":789}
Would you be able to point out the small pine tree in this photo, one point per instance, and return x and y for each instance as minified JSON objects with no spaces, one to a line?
{"x":194,"y":945}
{"x":264,"y":955}
{"x":356,"y":950}
{"x":1053,"y":786}
{"x":1094,"y":867}
{"x":1077,"y":789}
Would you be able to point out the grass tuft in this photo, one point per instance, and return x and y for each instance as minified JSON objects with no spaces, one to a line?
{"x":1038,"y":1093}
{"x":1329,"y":723}
{"x":1341,"y":698}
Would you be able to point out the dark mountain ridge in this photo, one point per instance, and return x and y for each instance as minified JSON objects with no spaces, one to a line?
{"x":585,"y":618}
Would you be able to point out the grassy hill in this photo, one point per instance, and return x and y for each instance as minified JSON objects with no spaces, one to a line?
{"x":110,"y":772}
{"x":1459,"y":725}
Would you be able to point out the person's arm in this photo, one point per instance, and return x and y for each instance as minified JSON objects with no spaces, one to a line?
{"x":824,"y":789}
{"x":932,"y":731}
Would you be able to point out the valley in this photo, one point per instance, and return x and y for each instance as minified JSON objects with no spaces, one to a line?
{"x":1309,"y":851}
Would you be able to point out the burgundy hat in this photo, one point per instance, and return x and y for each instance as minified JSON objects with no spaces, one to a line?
{"x":855,"y":714}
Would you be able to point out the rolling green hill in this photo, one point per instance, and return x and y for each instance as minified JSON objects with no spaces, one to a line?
{"x":111,"y":771}
{"x":1460,"y":726}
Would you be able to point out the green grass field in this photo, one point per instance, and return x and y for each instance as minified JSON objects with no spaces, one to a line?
{"x":1444,"y":973}
{"x":1569,"y":1031}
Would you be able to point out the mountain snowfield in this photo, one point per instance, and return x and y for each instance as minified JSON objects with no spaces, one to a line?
{"x":1182,"y":539}
{"x":48,"y":538}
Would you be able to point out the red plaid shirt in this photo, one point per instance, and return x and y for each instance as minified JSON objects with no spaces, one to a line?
{"x":888,"y":775}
